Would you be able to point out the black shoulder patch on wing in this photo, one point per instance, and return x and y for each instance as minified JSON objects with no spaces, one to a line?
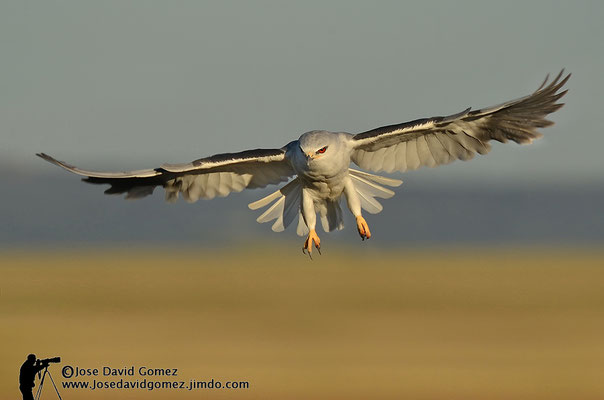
{"x":241,"y":156}
{"x":389,"y":128}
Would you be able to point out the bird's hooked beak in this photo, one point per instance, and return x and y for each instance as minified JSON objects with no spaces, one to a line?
{"x":310,"y":155}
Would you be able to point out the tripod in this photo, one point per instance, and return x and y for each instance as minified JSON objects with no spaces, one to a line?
{"x":39,"y":391}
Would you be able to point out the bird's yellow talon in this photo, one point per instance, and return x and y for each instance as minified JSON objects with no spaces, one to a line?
{"x":312,"y":238}
{"x":363,"y":228}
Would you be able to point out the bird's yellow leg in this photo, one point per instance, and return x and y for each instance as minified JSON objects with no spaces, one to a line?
{"x":312,"y":238}
{"x":363,"y":228}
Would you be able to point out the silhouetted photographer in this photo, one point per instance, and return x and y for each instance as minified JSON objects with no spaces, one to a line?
{"x":27,"y":375}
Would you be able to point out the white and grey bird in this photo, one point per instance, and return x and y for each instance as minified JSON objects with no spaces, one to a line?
{"x":317,"y":165}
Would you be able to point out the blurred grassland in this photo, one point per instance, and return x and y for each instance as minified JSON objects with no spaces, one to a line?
{"x":352,"y":324}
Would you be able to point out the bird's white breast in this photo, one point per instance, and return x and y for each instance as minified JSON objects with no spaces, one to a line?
{"x":324,"y":176}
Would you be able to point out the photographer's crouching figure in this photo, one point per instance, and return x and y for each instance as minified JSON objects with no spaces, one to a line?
{"x":28,"y":372}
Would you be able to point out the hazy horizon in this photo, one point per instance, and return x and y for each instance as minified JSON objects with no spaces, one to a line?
{"x":59,"y":210}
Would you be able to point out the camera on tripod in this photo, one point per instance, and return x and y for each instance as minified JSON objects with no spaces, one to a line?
{"x":47,"y":361}
{"x":44,"y":364}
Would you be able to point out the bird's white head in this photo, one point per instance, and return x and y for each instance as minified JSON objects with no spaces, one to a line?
{"x":319,"y":145}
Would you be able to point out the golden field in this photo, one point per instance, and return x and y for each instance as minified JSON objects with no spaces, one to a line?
{"x":352,"y":324}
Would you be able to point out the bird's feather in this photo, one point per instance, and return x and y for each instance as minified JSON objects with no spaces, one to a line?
{"x":369,"y":186}
{"x":284,"y":208}
{"x":205,"y":178}
{"x":332,"y":218}
{"x":441,"y":140}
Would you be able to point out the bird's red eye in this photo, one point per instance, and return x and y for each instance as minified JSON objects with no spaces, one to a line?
{"x":322,"y":150}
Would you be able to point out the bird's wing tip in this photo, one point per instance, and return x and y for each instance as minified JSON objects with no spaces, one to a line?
{"x":48,"y":158}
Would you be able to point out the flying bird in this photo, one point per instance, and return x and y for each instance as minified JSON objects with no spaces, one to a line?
{"x":317,"y":165}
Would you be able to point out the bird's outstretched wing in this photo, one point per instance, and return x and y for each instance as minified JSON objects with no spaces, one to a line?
{"x":205,"y":178}
{"x":441,"y":140}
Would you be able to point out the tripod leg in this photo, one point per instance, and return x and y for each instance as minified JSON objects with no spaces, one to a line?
{"x":55,"y":386}
{"x":39,"y":391}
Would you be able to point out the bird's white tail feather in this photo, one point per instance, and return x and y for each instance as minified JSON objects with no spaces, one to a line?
{"x":302,"y":229}
{"x":331,"y":216}
{"x":368,"y":187}
{"x":265,"y":201}
{"x":376,"y":178}
{"x":285,"y":203}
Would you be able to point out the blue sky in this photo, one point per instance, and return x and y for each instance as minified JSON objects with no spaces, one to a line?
{"x":120,"y":85}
